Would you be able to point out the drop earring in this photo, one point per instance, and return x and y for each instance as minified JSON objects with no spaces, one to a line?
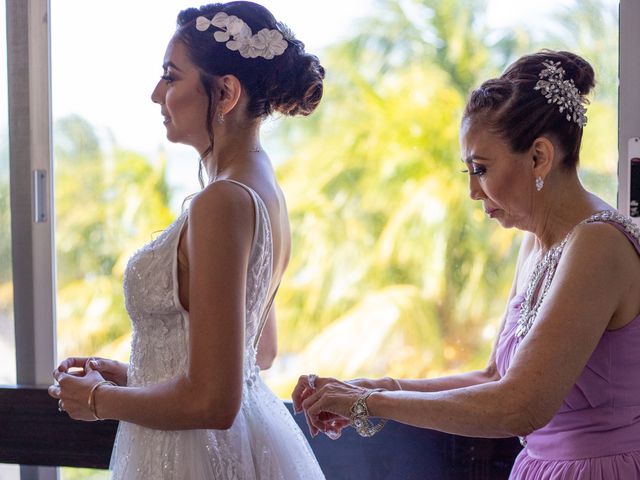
{"x":220,"y":118}
{"x":539,"y":183}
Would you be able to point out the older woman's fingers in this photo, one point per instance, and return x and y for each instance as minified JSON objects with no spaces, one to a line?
{"x":315,"y":412}
{"x":333,"y":428}
{"x":298,"y":394}
{"x":306,"y":386}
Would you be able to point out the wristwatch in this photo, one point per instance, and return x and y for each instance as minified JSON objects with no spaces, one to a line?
{"x":360,"y":416}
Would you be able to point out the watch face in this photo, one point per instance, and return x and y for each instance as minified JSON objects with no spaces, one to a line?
{"x":359,"y":409}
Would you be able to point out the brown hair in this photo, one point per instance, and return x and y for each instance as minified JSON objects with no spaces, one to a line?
{"x":514,"y":110}
{"x":290,"y":83}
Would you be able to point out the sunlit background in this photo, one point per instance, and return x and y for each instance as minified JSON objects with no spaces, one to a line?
{"x":394,"y":270}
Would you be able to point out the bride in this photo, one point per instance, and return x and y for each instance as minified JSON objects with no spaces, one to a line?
{"x":191,"y":403}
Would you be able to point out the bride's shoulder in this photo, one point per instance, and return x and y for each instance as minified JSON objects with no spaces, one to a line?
{"x":221,"y":203}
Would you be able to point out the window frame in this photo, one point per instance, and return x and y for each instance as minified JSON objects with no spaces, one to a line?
{"x":628,"y":96}
{"x":30,"y":150}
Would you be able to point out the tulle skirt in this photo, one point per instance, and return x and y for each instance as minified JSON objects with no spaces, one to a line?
{"x":264,"y":443}
{"x":624,"y":466}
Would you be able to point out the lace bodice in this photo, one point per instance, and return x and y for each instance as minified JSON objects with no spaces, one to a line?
{"x":159,"y":349}
{"x":264,"y":442}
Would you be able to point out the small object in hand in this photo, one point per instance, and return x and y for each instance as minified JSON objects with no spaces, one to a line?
{"x":360,"y":416}
{"x":311,"y":379}
{"x":60,"y":409}
{"x":332,"y":432}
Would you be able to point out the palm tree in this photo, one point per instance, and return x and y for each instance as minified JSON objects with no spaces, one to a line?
{"x":394,"y":269}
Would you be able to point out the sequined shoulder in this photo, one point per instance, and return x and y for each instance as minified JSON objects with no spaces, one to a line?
{"x":622,"y":222}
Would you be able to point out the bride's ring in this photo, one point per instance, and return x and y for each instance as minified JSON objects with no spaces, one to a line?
{"x":60,"y":409}
{"x":311,"y":380}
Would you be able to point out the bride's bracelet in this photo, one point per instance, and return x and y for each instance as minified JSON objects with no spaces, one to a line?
{"x":360,"y":416}
{"x":92,"y":401}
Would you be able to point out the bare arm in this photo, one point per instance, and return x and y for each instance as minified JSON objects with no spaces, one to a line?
{"x":219,"y":237}
{"x":589,"y":286}
{"x":584,"y":295}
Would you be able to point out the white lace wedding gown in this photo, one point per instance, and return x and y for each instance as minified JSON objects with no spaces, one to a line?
{"x":264,"y":442}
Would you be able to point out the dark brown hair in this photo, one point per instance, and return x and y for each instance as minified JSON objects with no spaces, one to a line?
{"x":290,"y":83}
{"x":513,"y":109}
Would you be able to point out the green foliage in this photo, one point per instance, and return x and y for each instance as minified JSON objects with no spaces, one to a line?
{"x":107,"y":205}
{"x":394,"y":269}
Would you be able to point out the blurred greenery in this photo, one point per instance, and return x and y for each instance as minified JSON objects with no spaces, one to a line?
{"x":108,"y":203}
{"x":395,"y":271}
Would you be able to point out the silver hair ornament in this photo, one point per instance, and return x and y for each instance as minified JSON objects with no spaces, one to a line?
{"x":564,"y":93}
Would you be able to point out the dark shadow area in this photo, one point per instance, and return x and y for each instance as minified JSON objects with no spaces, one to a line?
{"x":33,"y":432}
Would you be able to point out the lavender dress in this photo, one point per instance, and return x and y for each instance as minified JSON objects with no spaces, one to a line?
{"x":596,"y":433}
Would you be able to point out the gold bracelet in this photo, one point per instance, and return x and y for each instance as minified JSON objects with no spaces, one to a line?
{"x":92,"y":402}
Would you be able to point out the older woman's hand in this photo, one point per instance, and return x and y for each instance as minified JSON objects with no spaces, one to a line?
{"x":327,"y":407}
{"x":73,"y":390}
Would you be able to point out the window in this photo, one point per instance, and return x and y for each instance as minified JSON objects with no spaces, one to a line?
{"x":7,"y":346}
{"x":394,"y":270}
{"x":385,"y":239}
{"x":371,"y":256}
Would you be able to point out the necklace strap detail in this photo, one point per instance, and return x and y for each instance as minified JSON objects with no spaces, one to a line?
{"x":543,"y":274}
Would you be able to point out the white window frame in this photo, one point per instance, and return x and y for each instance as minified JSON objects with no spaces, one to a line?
{"x":628,"y":96}
{"x":32,"y":243}
{"x":33,"y":247}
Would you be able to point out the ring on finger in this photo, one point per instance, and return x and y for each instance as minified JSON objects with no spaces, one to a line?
{"x":311,"y":380}
{"x":60,"y":408}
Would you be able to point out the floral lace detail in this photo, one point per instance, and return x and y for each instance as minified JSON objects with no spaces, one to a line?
{"x":159,"y":351}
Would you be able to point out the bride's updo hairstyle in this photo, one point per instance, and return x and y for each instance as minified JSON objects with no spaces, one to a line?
{"x":289,"y":83}
{"x":512,"y":107}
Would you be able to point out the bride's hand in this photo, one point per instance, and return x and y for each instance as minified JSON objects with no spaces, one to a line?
{"x":73,"y":390}
{"x":109,"y":369}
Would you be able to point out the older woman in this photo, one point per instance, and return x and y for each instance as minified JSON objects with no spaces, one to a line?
{"x":562,"y":375}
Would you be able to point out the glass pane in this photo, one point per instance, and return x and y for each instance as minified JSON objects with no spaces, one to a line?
{"x":386,"y":240}
{"x":103,"y":137}
{"x":83,"y":474}
{"x":7,"y":343}
{"x":388,"y":248}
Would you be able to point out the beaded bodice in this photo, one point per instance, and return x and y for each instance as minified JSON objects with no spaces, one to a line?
{"x":542,"y":275}
{"x":159,"y":348}
{"x":601,"y":414}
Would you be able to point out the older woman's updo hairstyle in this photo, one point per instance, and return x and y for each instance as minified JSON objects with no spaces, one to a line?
{"x":289,"y":83}
{"x":512,"y":107}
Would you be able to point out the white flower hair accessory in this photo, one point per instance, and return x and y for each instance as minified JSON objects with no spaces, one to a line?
{"x":563,"y":93}
{"x":237,"y":36}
